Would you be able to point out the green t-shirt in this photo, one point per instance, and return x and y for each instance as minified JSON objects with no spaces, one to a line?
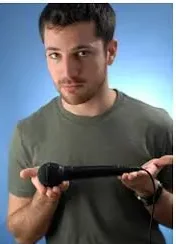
{"x":99,"y":210}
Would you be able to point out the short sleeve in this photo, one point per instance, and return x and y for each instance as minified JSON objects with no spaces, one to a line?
{"x":19,"y":159}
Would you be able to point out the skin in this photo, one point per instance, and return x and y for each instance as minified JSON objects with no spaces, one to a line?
{"x":140,"y":181}
{"x":53,"y":193}
{"x":77,"y":61}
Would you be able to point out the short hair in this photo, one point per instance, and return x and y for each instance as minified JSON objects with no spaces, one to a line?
{"x":64,"y":14}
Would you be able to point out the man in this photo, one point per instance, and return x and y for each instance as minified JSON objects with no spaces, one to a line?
{"x":88,"y":124}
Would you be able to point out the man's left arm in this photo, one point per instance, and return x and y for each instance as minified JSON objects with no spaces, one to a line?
{"x":164,"y":209}
{"x":141,"y":184}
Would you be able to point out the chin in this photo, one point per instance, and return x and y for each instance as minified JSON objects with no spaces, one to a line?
{"x":75,"y":100}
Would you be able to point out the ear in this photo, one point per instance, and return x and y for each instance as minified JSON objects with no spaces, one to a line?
{"x":111,"y":51}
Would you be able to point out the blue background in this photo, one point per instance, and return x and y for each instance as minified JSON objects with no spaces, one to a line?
{"x":143,"y":69}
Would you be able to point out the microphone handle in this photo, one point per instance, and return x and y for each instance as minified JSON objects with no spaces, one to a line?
{"x":83,"y":172}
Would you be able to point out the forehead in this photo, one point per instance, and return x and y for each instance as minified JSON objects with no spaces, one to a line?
{"x":70,"y":36}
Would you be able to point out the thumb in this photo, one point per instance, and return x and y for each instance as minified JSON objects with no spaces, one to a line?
{"x":28,"y":173}
{"x":164,"y":160}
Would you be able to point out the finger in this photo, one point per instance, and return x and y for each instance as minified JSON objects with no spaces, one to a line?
{"x":165,"y":160}
{"x":142,"y":173}
{"x":51,"y":194}
{"x":40,"y":188}
{"x":127,"y":182}
{"x":56,"y":189}
{"x":152,"y":167}
{"x":28,"y":173}
{"x":133,"y":178}
{"x":124,"y":176}
{"x":152,"y":161}
{"x":132,"y":175}
{"x":64,"y":186}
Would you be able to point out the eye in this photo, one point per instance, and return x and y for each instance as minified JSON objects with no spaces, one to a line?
{"x":54,"y":56}
{"x":83,"y":53}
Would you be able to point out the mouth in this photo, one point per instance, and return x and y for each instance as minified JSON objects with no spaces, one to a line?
{"x":72,"y":85}
{"x":71,"y":88}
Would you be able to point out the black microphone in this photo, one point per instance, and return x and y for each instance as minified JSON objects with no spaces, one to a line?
{"x":52,"y":174}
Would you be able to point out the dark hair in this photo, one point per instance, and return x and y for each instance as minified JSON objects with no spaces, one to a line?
{"x":64,"y":14}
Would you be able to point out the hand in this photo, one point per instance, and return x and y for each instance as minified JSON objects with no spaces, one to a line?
{"x":53,"y":193}
{"x":164,"y":160}
{"x":140,"y":182}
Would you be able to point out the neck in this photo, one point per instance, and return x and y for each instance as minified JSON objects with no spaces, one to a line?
{"x":95,"y":106}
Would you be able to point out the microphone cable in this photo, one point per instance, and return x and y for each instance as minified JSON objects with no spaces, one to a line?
{"x":153,"y":206}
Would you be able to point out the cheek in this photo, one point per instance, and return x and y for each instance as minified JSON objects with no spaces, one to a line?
{"x":53,"y":70}
{"x":95,"y":65}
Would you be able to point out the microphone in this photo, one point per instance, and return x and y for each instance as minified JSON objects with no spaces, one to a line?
{"x":52,"y":174}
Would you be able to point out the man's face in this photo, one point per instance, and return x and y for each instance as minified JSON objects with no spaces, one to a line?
{"x":77,"y":61}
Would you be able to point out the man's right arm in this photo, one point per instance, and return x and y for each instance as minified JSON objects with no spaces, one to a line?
{"x":29,"y":218}
{"x":30,"y":222}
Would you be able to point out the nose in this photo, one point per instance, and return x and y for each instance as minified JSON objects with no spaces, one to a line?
{"x":70,"y":67}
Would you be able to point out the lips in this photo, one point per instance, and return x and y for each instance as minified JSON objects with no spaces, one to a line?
{"x":71,"y":88}
{"x":73,"y":85}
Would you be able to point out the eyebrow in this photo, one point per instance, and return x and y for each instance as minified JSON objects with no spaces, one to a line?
{"x":52,"y":49}
{"x":74,"y":49}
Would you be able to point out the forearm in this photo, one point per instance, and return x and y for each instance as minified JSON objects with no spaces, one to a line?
{"x":31,"y":222}
{"x":164,"y":209}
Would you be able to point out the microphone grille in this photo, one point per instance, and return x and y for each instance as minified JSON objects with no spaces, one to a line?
{"x":50,"y":174}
